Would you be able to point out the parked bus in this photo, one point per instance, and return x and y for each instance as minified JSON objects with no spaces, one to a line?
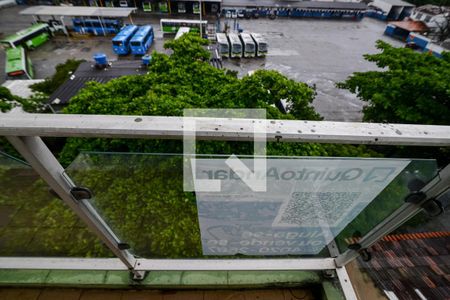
{"x":142,"y":40}
{"x":235,"y":44}
{"x":96,"y":26}
{"x":223,"y":44}
{"x":171,"y":26}
{"x":261,"y":44}
{"x":182,"y":31}
{"x":121,"y":42}
{"x":31,"y":37}
{"x":18,"y":65}
{"x":249,"y":45}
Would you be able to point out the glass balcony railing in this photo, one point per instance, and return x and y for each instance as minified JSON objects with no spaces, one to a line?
{"x":308,"y":203}
{"x":209,"y":212}
{"x":35,"y":222}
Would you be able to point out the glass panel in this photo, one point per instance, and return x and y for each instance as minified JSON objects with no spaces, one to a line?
{"x":307,"y":203}
{"x":413,"y":177}
{"x":35,"y":223}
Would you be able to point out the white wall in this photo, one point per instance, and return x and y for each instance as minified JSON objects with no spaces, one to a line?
{"x":386,"y":7}
{"x":434,"y":21}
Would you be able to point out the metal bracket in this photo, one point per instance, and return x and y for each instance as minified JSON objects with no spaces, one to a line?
{"x":433,"y":207}
{"x":363,"y":252}
{"x":329,"y":274}
{"x":138,"y":275}
{"x":365,"y":255}
{"x":416,"y":197}
{"x":355,"y":246}
{"x":81,"y":193}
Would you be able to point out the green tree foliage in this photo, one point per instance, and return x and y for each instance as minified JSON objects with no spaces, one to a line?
{"x":186,"y":80}
{"x":8,"y":101}
{"x":141,"y":196}
{"x":63,"y":72}
{"x":411,"y":88}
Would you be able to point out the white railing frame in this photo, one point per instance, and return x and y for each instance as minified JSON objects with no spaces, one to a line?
{"x":24,"y":132}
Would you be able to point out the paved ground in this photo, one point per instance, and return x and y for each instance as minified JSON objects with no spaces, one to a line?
{"x":319,"y":52}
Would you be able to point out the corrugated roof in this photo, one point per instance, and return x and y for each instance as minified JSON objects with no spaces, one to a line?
{"x":86,"y":72}
{"x":398,"y":3}
{"x":296,"y":4}
{"x":411,"y":26}
{"x":433,"y":9}
{"x":87,"y":11}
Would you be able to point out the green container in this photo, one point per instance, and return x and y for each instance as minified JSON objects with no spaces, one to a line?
{"x":37,"y":41}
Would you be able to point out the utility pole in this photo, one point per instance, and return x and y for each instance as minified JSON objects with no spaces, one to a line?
{"x":201,"y":25}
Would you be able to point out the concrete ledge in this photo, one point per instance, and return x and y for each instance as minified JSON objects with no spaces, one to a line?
{"x":158,"y":279}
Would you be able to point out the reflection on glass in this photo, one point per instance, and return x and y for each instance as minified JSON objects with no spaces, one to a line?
{"x":35,"y":223}
{"x":413,"y":177}
{"x":141,"y":198}
{"x":307,"y":203}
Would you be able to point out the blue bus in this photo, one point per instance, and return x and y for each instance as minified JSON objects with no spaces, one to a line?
{"x":142,"y":40}
{"x":95,"y":26}
{"x":121,"y":42}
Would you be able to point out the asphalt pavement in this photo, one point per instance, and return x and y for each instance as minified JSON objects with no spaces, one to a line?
{"x":318,"y":52}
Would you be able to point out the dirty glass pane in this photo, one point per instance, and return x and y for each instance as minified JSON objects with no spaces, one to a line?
{"x":307,"y":202}
{"x":33,"y":222}
{"x":413,"y":177}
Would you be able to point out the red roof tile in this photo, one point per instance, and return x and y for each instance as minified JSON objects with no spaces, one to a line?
{"x":412,"y":26}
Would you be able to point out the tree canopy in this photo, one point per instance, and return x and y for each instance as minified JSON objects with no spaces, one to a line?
{"x":141,"y":196}
{"x":8,"y":101}
{"x":411,"y":87}
{"x":185,"y":79}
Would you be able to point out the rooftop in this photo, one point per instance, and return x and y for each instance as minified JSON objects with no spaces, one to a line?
{"x":398,"y":3}
{"x":297,"y":4}
{"x":411,"y":26}
{"x":86,"y":11}
{"x":413,"y":264}
{"x":433,"y":9}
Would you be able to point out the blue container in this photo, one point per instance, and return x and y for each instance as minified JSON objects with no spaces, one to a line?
{"x":101,"y":59}
{"x":146,"y":59}
{"x":434,"y":50}
{"x":390,"y":29}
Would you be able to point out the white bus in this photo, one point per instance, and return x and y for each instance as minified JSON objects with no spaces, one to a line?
{"x":171,"y":26}
{"x":261,"y":44}
{"x":249,"y":45}
{"x":223,"y":44}
{"x":235,"y":44}
{"x":182,"y":31}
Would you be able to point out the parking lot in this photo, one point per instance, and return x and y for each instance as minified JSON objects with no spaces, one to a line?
{"x":318,"y":52}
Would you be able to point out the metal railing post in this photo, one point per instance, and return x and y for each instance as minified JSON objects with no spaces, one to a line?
{"x":41,"y":159}
{"x":436,"y":187}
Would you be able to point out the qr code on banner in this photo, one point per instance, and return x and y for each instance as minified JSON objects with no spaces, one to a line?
{"x":315,"y":209}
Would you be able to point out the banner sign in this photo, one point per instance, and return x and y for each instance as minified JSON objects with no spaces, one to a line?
{"x":307,"y":203}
